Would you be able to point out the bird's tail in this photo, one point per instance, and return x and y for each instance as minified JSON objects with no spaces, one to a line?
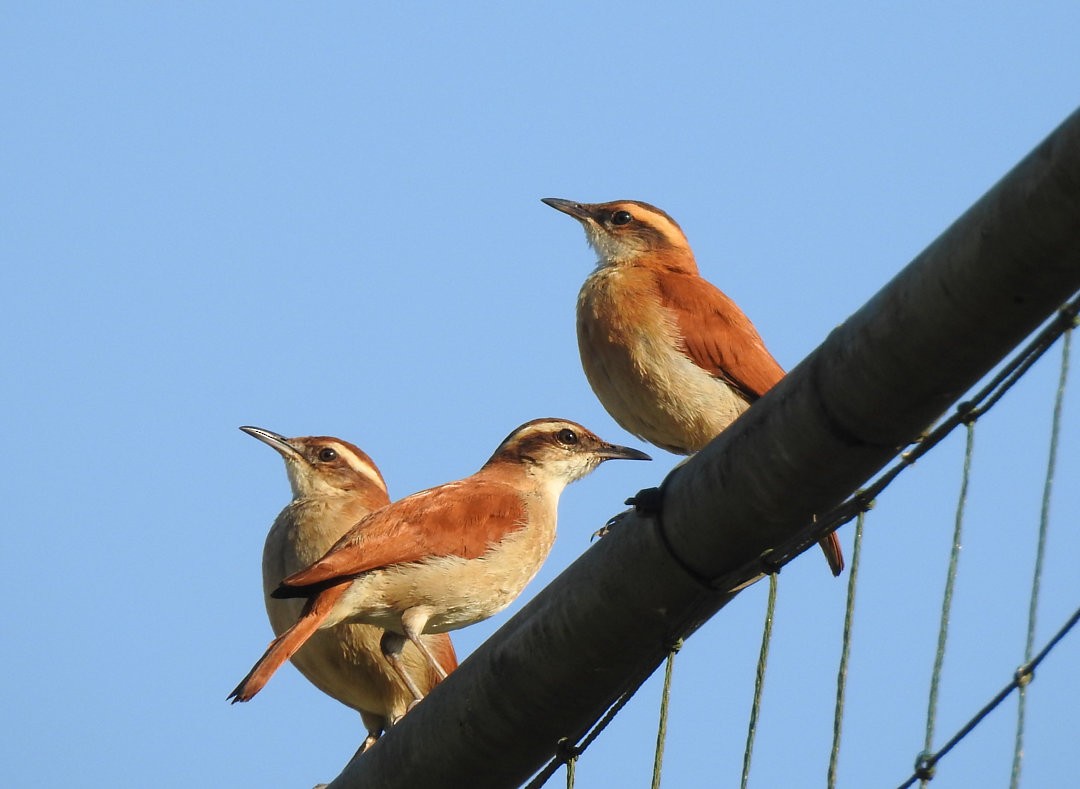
{"x":286,"y":645}
{"x":443,"y":649}
{"x":830,"y":545}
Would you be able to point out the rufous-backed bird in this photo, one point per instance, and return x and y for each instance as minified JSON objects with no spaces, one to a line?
{"x":669,"y":355}
{"x":334,"y":485}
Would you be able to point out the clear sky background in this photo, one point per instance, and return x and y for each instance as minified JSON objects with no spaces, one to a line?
{"x":325,"y":219}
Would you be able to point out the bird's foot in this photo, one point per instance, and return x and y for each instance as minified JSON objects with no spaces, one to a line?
{"x":648,"y":501}
{"x":604,"y":530}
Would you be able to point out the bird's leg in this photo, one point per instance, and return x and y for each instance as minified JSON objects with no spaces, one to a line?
{"x":375,"y":725}
{"x":370,"y":740}
{"x":391,"y":645}
{"x":413,"y":621}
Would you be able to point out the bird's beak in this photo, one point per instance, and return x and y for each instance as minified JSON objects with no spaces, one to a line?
{"x":576,"y":210}
{"x":270,"y":438}
{"x":616,"y":452}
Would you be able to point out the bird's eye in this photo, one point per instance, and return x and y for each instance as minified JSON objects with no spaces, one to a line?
{"x":326,"y":454}
{"x":567,"y":436}
{"x":621,"y":218}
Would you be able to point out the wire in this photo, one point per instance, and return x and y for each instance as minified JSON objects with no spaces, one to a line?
{"x":661,"y":733}
{"x":1040,"y":552}
{"x":759,"y":679}
{"x":946,"y":603}
{"x":1023,"y":676}
{"x":845,"y":651}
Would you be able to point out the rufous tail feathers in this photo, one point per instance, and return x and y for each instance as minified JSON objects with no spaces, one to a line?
{"x":285,"y":646}
{"x":830,"y":546}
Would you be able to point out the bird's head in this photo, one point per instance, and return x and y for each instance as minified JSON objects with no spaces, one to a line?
{"x":630,"y":232}
{"x":558,"y":451}
{"x":326,"y":466}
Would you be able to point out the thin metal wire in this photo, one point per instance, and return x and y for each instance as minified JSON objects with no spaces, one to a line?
{"x":1040,"y":552}
{"x":759,"y":680}
{"x":946,"y":603}
{"x":661,"y":733}
{"x":1024,"y":675}
{"x":845,"y":651}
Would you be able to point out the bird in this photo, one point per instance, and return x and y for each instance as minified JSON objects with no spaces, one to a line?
{"x":448,"y":556}
{"x":670,"y":356}
{"x":334,"y":485}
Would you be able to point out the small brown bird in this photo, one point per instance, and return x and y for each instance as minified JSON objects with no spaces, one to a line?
{"x":669,"y":355}
{"x":448,"y":556}
{"x":334,"y":485}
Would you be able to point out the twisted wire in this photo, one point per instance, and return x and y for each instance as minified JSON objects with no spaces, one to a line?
{"x":661,"y":732}
{"x":845,"y":651}
{"x":759,"y":680}
{"x":1040,"y":552}
{"x":946,"y":603}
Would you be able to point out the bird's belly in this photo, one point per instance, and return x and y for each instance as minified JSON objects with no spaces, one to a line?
{"x":657,"y":393}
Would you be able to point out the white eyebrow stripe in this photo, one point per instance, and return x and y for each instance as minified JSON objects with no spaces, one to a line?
{"x":657,"y":220}
{"x":359,"y":464}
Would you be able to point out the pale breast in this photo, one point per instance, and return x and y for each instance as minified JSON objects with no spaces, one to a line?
{"x":629,"y":351}
{"x":301,"y":535}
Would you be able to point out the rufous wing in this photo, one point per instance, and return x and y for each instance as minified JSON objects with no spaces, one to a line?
{"x":717,"y":336}
{"x":458,"y":519}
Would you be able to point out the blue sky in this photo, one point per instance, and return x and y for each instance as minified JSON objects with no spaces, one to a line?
{"x":325,"y":219}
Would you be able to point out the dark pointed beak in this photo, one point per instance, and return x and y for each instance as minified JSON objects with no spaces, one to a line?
{"x":272,"y":439}
{"x":616,"y":452}
{"x":576,"y":210}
